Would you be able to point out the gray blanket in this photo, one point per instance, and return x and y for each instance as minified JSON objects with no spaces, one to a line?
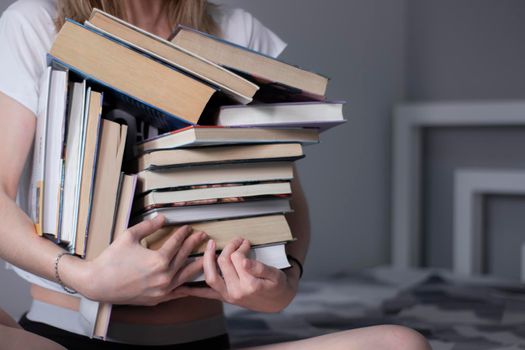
{"x":453,"y":313}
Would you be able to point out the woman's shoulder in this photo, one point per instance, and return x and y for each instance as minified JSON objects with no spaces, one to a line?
{"x":30,"y":20}
{"x":242,"y":28}
{"x":27,"y":31}
{"x":32,"y":12}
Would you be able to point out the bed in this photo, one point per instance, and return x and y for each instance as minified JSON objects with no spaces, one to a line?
{"x":453,"y":312}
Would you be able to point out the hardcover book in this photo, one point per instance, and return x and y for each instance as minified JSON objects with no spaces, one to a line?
{"x":172,"y":98}
{"x":265,"y":71}
{"x":238,"y":88}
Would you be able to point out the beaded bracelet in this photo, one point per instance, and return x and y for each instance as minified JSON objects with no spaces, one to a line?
{"x":57,"y":259}
{"x":298,"y":264}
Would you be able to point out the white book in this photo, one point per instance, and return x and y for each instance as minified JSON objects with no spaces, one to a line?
{"x":196,"y":213}
{"x":316,"y":114}
{"x":36,"y":194}
{"x":54,"y":147}
{"x":271,"y":255}
{"x":72,"y":164}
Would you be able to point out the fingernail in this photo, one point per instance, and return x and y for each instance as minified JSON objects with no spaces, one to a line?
{"x":209,"y":246}
{"x":203,"y":235}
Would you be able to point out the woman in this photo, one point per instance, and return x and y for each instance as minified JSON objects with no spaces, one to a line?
{"x":154,"y":309}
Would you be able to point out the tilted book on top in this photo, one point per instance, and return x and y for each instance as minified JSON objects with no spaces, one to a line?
{"x":264,"y":70}
{"x":233,"y":85}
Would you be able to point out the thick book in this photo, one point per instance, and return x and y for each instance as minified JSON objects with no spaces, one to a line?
{"x":195,"y":213}
{"x":213,"y":174}
{"x":54,"y":167}
{"x":263,"y":230}
{"x":213,"y":192}
{"x":321,"y":115}
{"x":105,"y":195}
{"x":230,"y":83}
{"x":174,"y":98}
{"x":262,"y":69}
{"x":173,"y":158}
{"x":199,"y":136}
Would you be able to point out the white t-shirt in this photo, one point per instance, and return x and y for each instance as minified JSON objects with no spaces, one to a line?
{"x":27,"y":32}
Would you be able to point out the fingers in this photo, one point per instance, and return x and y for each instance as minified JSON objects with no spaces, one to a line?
{"x":260,"y":270}
{"x":188,"y":246}
{"x":146,"y":227}
{"x":172,"y":245}
{"x":225,"y":263}
{"x":211,"y":272}
{"x":176,"y":293}
{"x":187,"y":273}
{"x":200,"y":292}
{"x":238,"y":257}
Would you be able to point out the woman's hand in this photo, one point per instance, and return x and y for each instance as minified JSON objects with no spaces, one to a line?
{"x":244,"y":282}
{"x":128,"y":273}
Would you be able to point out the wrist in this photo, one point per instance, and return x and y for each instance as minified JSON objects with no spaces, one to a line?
{"x":293,"y":275}
{"x":75,"y":274}
{"x":296,"y":266}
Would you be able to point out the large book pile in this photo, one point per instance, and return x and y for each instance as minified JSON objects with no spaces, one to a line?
{"x":197,"y":129}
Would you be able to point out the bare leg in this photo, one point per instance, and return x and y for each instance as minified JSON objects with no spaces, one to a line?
{"x":17,"y":338}
{"x":14,"y":337}
{"x":377,"y":337}
{"x":7,"y":320}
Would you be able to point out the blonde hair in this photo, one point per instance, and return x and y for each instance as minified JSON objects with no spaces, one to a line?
{"x":191,"y":13}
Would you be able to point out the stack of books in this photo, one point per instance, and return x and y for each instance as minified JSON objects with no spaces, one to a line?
{"x":198,"y":129}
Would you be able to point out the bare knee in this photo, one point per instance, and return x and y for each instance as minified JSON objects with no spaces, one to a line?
{"x":402,"y":338}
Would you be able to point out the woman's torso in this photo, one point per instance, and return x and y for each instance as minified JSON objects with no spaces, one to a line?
{"x":27,"y":29}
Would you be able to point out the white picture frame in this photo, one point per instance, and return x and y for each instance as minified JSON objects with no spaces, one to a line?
{"x":409,"y":121}
{"x":471,"y":186}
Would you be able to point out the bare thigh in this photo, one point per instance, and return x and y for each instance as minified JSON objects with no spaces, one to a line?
{"x":375,"y":337}
{"x":17,"y":338}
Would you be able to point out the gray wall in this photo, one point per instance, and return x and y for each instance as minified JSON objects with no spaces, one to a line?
{"x":360,"y":44}
{"x":467,"y":50}
{"x":448,"y":149}
{"x":4,"y":4}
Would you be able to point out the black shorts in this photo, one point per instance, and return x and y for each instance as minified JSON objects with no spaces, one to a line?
{"x":73,"y":341}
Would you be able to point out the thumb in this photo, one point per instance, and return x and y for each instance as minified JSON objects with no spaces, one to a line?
{"x":146,"y":227}
{"x":260,"y":270}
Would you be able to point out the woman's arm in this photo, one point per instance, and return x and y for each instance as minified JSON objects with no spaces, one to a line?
{"x":299,"y":221}
{"x":126,"y":272}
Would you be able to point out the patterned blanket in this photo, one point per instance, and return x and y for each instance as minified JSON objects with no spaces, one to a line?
{"x":453,"y":313}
